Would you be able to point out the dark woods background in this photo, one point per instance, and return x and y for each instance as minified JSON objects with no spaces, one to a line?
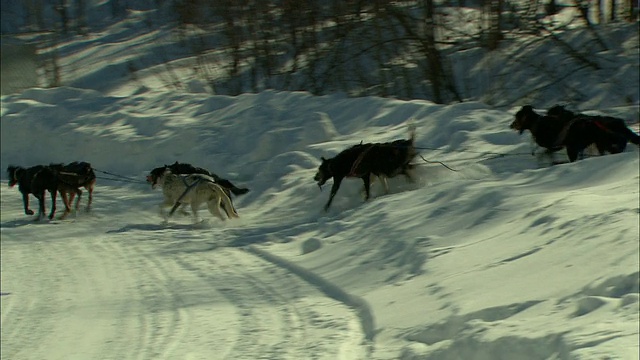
{"x":404,"y":49}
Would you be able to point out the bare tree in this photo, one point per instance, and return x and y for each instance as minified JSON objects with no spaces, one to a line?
{"x":424,"y":34}
{"x":492,"y":14}
{"x":81,"y":18}
{"x":61,"y":9}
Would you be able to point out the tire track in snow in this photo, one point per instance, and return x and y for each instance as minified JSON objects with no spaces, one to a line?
{"x":161,"y":316}
{"x":278,"y":311}
{"x":358,"y":304}
{"x":15,"y":327}
{"x":280,"y":315}
{"x":231,"y":286}
{"x":52,"y":301}
{"x":66,"y":307}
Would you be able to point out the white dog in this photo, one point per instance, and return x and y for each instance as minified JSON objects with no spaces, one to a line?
{"x":194,"y":189}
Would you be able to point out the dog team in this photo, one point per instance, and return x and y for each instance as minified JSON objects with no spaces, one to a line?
{"x":184,"y":184}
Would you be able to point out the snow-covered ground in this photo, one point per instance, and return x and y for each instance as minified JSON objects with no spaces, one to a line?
{"x":503,"y":257}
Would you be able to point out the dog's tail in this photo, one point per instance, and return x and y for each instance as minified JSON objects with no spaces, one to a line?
{"x":228,"y":206}
{"x":239,"y":191}
{"x":619,"y":126}
{"x":413,"y":152}
{"x":412,"y":131}
{"x":633,"y":137}
{"x":234,"y":189}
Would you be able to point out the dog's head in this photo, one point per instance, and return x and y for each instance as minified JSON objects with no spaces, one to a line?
{"x":84,"y":168}
{"x":155,"y":175}
{"x":559,"y":112}
{"x":14,"y":173}
{"x":523,"y":120}
{"x":324,"y":172}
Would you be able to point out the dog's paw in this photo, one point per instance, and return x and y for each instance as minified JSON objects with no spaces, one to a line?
{"x":29,"y":212}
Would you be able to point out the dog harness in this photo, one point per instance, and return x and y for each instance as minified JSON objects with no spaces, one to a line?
{"x":189,"y":187}
{"x":354,"y":167}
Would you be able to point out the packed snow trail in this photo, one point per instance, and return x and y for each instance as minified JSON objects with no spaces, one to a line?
{"x":145,"y":291}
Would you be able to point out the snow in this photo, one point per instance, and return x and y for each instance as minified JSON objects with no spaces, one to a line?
{"x":503,"y":257}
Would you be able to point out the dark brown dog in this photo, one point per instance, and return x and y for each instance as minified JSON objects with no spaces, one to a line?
{"x":73,"y":176}
{"x":384,"y":160}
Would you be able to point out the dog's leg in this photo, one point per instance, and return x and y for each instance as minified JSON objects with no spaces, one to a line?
{"x":408,"y":172}
{"x":79,"y":192}
{"x":194,"y":209}
{"x":53,"y":194}
{"x":166,"y":203}
{"x":90,"y":188}
{"x":385,"y":183}
{"x":182,"y":210}
{"x":69,"y":196}
{"x":367,"y":186}
{"x":25,"y":201}
{"x":572,"y":153}
{"x":65,"y":201}
{"x":41,"y":209}
{"x":174,"y":207}
{"x":334,"y":190}
{"x":214,"y":207}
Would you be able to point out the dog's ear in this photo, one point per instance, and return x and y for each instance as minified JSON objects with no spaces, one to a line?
{"x":323,"y":159}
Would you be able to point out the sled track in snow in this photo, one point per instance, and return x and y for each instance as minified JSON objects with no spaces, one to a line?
{"x":275,"y":308}
{"x":114,"y":298}
{"x":358,"y":304}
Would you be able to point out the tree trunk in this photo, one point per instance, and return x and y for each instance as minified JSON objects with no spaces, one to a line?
{"x":81,"y":22}
{"x":612,"y":15}
{"x":600,"y":7}
{"x":493,"y":15}
{"x":61,"y":9}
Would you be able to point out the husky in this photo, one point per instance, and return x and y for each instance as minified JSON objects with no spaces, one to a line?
{"x":194,"y":189}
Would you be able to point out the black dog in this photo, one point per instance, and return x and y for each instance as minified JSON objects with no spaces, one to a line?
{"x":605,"y":123}
{"x":23,"y":177}
{"x":574,"y":134}
{"x":384,"y":160}
{"x":546,"y":131}
{"x":582,"y":133}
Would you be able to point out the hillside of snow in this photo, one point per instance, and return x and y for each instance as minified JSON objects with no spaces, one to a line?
{"x":492,"y":253}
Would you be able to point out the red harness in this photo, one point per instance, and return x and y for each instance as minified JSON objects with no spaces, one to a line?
{"x":600,"y":125}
